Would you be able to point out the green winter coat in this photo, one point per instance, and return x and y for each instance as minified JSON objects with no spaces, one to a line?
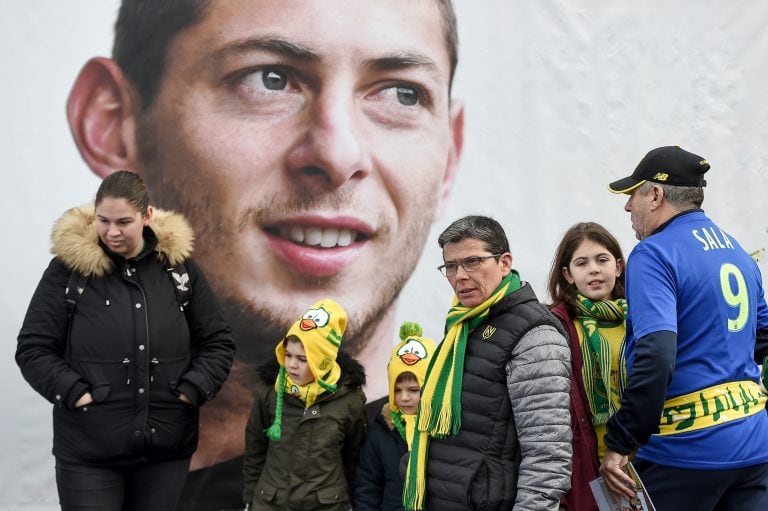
{"x":312,"y":466}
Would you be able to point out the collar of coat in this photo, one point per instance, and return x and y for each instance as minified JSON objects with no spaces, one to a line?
{"x":75,"y":240}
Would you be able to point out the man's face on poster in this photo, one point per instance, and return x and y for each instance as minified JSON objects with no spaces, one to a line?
{"x":310,"y":144}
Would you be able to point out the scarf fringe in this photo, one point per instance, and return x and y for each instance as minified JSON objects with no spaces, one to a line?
{"x":446,"y":423}
{"x":415,"y":488}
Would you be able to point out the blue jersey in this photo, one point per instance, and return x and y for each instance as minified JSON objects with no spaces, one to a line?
{"x":694,"y":279}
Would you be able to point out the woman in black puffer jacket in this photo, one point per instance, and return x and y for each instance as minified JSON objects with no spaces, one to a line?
{"x":130,"y":367}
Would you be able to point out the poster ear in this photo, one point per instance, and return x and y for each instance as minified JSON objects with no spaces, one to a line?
{"x":100,"y":111}
{"x":457,"y":144}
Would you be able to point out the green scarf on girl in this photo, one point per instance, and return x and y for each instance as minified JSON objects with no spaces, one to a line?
{"x":596,"y":353}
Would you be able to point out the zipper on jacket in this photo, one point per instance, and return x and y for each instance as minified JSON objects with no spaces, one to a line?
{"x":130,"y":272}
{"x":146,"y":319}
{"x":145,"y":410}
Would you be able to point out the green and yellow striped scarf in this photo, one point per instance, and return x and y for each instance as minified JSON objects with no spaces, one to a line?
{"x":405,"y":425}
{"x":596,"y":352}
{"x":440,"y":405}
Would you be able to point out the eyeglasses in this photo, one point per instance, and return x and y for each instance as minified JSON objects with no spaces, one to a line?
{"x":469,"y":264}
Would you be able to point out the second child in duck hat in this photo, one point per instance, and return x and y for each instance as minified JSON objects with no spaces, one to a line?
{"x":411,"y":355}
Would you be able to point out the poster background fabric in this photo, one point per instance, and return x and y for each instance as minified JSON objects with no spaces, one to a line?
{"x":561,"y":98}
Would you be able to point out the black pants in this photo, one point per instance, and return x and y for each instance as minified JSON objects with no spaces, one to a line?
{"x":674,"y":489}
{"x":147,"y":486}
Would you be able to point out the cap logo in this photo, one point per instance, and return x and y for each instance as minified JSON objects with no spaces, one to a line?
{"x":661,"y":176}
{"x":412,"y":352}
{"x":703,"y":162}
{"x":325,"y":364}
{"x":488,"y":332}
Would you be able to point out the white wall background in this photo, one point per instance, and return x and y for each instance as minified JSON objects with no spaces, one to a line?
{"x":562,"y":97}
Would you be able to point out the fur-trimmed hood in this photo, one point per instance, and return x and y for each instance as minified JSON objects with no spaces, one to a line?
{"x":387,"y":416}
{"x":76,"y":243}
{"x":352,"y":373}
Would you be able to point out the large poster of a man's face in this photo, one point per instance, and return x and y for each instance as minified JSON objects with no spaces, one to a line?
{"x":318,"y":147}
{"x":310,"y":144}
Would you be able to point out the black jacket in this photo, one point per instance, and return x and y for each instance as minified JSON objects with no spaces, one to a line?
{"x":130,"y":345}
{"x":379,"y":483}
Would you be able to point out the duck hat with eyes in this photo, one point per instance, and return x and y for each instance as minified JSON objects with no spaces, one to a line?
{"x":411,"y":355}
{"x":320,"y":330}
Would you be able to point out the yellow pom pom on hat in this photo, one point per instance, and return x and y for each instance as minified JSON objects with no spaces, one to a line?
{"x":320,"y":331}
{"x":411,"y":355}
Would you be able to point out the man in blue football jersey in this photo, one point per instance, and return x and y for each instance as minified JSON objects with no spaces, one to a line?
{"x":696,"y":331}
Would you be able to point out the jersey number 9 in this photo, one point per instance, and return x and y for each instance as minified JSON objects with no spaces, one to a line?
{"x":737,"y":299}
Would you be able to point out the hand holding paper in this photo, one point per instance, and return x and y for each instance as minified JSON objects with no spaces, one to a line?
{"x":614,"y":472}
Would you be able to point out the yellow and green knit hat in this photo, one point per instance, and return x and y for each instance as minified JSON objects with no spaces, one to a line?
{"x":320,"y":330}
{"x":412,"y":354}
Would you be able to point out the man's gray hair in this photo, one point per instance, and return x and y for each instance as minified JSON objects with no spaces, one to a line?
{"x":477,"y":227}
{"x":681,"y":197}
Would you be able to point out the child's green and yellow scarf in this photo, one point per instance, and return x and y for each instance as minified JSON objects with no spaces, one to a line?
{"x":596,"y":353}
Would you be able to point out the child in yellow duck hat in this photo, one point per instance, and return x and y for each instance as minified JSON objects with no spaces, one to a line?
{"x":378,"y":484}
{"x":308,"y":420}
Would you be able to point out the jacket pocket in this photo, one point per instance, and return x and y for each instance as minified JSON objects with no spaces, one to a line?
{"x":95,"y":433}
{"x":264,"y":495}
{"x":478,"y":492}
{"x":493,"y":485}
{"x":331,"y":495}
{"x":173,"y":429}
{"x":166,"y":374}
{"x":100,"y":392}
{"x":108,"y":381}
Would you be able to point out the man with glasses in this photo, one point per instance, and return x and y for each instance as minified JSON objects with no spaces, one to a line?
{"x":494,"y":429}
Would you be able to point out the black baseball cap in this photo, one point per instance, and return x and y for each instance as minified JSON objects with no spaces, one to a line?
{"x":668,"y":165}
